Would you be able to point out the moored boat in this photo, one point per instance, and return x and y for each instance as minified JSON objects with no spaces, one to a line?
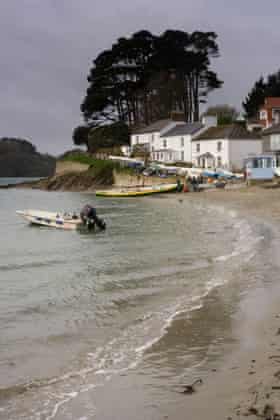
{"x":135,"y":192}
{"x":44,"y":218}
{"x":69,"y":221}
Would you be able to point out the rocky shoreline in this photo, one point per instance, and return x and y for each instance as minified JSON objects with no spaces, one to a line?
{"x":79,"y":180}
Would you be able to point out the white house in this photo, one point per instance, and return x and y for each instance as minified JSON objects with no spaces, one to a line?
{"x":150,"y":136}
{"x":170,"y":140}
{"x":271,"y":139}
{"x":225,"y":147}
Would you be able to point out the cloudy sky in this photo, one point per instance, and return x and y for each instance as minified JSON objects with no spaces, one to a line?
{"x":47,"y":47}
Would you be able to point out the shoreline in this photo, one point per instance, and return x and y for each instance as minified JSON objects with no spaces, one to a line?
{"x":248,"y":380}
{"x":242,"y":385}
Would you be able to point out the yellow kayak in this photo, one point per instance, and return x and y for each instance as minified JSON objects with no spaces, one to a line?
{"x":129,"y":192}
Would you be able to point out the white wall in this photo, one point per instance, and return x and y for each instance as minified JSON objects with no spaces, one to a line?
{"x":154,"y":138}
{"x":232,"y":154}
{"x":175,"y":143}
{"x":275,"y":142}
{"x":167,"y":156}
{"x":241,"y":149}
{"x":211,"y":146}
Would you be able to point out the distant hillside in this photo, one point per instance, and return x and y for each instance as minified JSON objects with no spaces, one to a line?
{"x":19,"y":158}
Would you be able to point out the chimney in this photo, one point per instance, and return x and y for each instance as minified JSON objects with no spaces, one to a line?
{"x":210,"y":121}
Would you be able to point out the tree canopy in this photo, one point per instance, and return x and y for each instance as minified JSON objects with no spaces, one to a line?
{"x":226,"y":114}
{"x":111,"y":135}
{"x":80,"y":135}
{"x":144,"y":77}
{"x":261,"y":90}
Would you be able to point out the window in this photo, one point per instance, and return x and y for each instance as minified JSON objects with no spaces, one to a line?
{"x":164,"y":143}
{"x":257,"y":163}
{"x":161,"y":156}
{"x":197,"y":147}
{"x":182,"y":156}
{"x":153,"y":138}
{"x":219,"y":146}
{"x":182,"y":141}
{"x":263,"y":115}
{"x":137,"y":139}
{"x":267,"y":163}
{"x":219,"y":161}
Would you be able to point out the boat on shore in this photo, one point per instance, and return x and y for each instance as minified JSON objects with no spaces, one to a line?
{"x":135,"y":192}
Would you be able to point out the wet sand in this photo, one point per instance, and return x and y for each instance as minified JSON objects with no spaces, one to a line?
{"x":248,"y":381}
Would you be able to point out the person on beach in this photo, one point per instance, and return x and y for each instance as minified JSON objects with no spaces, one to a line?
{"x":179,"y":186}
{"x":194,"y":184}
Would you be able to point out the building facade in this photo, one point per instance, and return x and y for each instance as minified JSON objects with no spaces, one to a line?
{"x":271,"y":139}
{"x":269,"y":113}
{"x":169,"y":141}
{"x":225,"y":147}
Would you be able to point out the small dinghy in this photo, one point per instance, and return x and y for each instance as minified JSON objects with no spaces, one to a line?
{"x":69,"y":221}
{"x":135,"y":192}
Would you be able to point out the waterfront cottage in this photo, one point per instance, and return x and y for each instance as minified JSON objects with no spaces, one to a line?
{"x":268,"y":115}
{"x":169,"y":140}
{"x":271,"y":139}
{"x":149,"y":137}
{"x":176,"y":143}
{"x":225,"y":147}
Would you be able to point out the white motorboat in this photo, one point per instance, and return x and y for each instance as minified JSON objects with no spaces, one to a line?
{"x":57,"y":220}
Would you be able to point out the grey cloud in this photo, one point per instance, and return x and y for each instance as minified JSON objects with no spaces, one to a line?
{"x":47,"y":47}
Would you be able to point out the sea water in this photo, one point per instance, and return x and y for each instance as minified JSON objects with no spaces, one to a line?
{"x":89,"y":319}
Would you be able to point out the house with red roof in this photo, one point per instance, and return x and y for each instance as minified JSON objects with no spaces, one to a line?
{"x":269,"y":113}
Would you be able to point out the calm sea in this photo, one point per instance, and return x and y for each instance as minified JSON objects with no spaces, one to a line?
{"x":15,"y":180}
{"x":96,"y":325}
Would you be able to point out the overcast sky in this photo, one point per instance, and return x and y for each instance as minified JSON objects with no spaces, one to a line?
{"x":47,"y":47}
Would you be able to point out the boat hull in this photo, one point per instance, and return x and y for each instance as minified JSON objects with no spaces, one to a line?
{"x":142,"y":191}
{"x":54,"y":220}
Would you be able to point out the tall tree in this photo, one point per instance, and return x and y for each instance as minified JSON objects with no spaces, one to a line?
{"x":261,"y":90}
{"x":226,"y":114}
{"x":255,"y":99}
{"x":145,"y":77}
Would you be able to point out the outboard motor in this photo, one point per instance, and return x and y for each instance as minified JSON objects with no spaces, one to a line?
{"x":90,"y":218}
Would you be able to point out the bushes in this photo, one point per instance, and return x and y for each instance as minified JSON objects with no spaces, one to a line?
{"x":100,"y":171}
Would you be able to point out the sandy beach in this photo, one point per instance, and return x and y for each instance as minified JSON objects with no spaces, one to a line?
{"x":248,"y":381}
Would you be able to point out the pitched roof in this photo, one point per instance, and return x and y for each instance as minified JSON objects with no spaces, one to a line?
{"x":274,"y":129}
{"x":232,"y":132}
{"x":183,"y":129}
{"x":154,"y":127}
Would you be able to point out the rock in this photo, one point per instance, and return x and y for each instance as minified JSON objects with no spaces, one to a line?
{"x":269,"y":412}
{"x":253,"y":410}
{"x":190,"y":389}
